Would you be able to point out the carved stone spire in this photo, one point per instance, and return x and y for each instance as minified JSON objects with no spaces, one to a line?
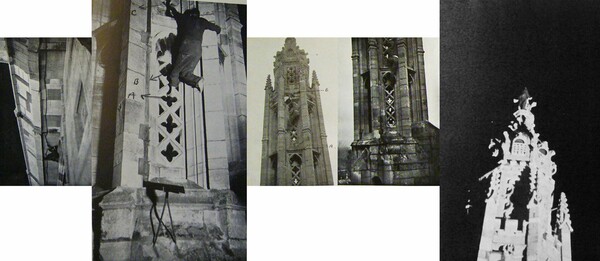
{"x":523,"y":114}
{"x":315,"y":81}
{"x":269,"y":85}
{"x":521,"y":149}
{"x":290,"y":42}
{"x":563,"y":216}
{"x":295,"y":150}
{"x":524,"y":99}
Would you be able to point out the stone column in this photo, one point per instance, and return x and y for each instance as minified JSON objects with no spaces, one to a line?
{"x":364,"y":98}
{"x":326,"y":173}
{"x":215,"y":113}
{"x":131,"y":111}
{"x":238,"y":77}
{"x":415,"y":91}
{"x":377,"y":112}
{"x":565,"y":239}
{"x":356,"y":90}
{"x":403,"y":104}
{"x":266,"y":175}
{"x":118,"y":223}
{"x":308,"y":176}
{"x":420,"y":68}
{"x":283,"y":172}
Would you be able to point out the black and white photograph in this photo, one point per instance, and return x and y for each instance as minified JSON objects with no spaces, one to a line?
{"x":293,"y":101}
{"x":170,"y":121}
{"x":326,"y":125}
{"x":520,"y":115}
{"x":46,"y":86}
{"x":389,"y":120}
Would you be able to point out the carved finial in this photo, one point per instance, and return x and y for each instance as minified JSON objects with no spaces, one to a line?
{"x":315,"y":80}
{"x":290,"y":42}
{"x":523,"y":114}
{"x":564,"y":218}
{"x":269,"y":85}
{"x":523,"y":100}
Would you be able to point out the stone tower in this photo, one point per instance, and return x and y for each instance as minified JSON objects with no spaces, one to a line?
{"x":518,"y":222}
{"x":294,"y":140}
{"x":393,"y":141}
{"x":182,"y":137}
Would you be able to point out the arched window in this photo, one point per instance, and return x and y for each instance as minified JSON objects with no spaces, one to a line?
{"x":520,"y":146}
{"x":296,"y":168}
{"x":389,"y":82}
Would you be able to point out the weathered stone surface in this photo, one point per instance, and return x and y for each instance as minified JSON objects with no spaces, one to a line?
{"x":117,"y":251}
{"x":236,"y":224}
{"x":204,"y":223}
{"x":294,"y":142}
{"x":201,"y":222}
{"x":386,"y":137}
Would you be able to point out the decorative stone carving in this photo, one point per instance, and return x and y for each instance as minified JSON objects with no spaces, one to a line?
{"x":523,"y":152}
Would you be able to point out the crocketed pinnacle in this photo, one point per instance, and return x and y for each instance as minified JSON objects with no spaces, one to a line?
{"x":269,"y":85}
{"x":315,"y":80}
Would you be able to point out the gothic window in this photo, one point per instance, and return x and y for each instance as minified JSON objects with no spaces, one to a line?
{"x":293,"y":115}
{"x":389,"y":83}
{"x":295,"y":168}
{"x":520,"y":147}
{"x":291,"y":75}
{"x":169,"y":127}
{"x":293,"y":135}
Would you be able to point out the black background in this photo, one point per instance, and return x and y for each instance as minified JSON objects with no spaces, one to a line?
{"x":12,"y":162}
{"x":489,"y":53}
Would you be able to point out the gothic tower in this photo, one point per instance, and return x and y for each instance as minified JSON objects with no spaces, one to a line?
{"x":172,"y":136}
{"x":294,"y":140}
{"x":393,"y":141}
{"x":518,"y":223}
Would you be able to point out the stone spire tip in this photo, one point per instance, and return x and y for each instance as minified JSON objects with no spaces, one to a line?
{"x":315,"y":79}
{"x":268,"y":85}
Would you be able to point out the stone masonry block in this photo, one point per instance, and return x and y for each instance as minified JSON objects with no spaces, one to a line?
{"x":236,"y":224}
{"x":219,"y":178}
{"x":116,"y":251}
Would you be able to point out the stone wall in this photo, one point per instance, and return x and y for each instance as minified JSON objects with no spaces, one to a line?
{"x":208,"y":225}
{"x":132,"y":49}
{"x":77,"y":111}
{"x":393,"y":141}
{"x":392,"y":163}
{"x":44,"y":107}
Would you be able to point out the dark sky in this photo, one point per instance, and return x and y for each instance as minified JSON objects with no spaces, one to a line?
{"x":12,"y":162}
{"x":489,"y":53}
